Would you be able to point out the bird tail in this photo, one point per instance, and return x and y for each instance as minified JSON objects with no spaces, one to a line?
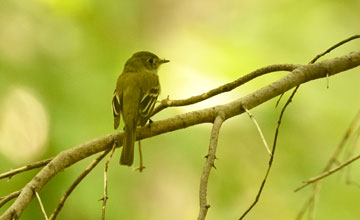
{"x":127,"y":154}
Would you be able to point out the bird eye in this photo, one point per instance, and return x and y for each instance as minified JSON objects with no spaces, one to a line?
{"x":151,"y":60}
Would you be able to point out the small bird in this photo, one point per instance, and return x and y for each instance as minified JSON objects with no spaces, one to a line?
{"x":136,"y":92}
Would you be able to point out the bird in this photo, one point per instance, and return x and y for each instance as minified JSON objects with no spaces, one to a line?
{"x":134,"y":98}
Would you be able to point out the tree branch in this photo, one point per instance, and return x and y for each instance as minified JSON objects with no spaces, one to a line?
{"x":210,"y":158}
{"x":272,"y":155}
{"x":105,"y":198}
{"x":327,"y":173}
{"x":251,"y":116}
{"x":334,"y":47}
{"x":310,"y":202}
{"x":41,"y":205}
{"x":75,"y":183}
{"x":25,"y":168}
{"x":224,"y":88}
{"x":5,"y":199}
{"x":299,"y":75}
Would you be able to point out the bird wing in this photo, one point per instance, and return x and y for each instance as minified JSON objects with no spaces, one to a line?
{"x":148,"y":102}
{"x":116,"y":107}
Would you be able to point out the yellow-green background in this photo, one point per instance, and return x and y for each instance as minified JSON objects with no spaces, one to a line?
{"x":59,"y":61}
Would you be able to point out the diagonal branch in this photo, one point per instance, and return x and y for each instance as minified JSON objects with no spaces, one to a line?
{"x":25,"y":168}
{"x":75,"y":183}
{"x":41,"y":205}
{"x":226,"y":87}
{"x":210,"y":158}
{"x":272,"y":155}
{"x":259,"y":130}
{"x":334,"y":158}
{"x":334,"y":47}
{"x":301,"y":74}
{"x":327,"y":173}
{"x":5,"y":199}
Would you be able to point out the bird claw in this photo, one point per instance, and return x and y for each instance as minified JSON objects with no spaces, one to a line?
{"x":140,"y":168}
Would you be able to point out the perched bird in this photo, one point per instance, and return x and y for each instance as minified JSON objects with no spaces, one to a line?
{"x":136,"y":92}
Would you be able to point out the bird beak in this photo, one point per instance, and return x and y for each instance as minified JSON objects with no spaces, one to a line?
{"x":163,"y":61}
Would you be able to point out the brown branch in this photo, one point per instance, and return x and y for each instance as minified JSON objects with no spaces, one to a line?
{"x":5,"y":199}
{"x":329,"y":50}
{"x":224,"y":88}
{"x":75,"y":183}
{"x":105,"y":198}
{"x":323,"y":54}
{"x":25,"y":168}
{"x":301,"y":74}
{"x":210,"y":158}
{"x":272,"y":155}
{"x":311,"y":201}
{"x":334,"y":47}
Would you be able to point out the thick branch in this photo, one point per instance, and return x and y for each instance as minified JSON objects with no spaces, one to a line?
{"x":66,"y":158}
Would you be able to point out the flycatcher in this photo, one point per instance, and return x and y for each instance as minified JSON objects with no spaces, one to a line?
{"x":136,"y":92}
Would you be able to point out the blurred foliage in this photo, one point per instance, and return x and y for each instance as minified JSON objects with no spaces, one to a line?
{"x":66,"y":56}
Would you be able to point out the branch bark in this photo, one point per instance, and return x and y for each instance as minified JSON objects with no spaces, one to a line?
{"x":210,"y":163}
{"x":301,"y":74}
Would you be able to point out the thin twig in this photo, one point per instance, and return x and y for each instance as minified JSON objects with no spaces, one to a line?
{"x":327,"y":80}
{"x":333,"y":160}
{"x":351,"y":152}
{"x":343,"y":141}
{"x":41,"y":205}
{"x":5,"y":199}
{"x":329,"y":50}
{"x":25,"y":168}
{"x":105,"y":198}
{"x":210,"y":158}
{"x":259,"y":130}
{"x":75,"y":183}
{"x":327,"y":173}
{"x":312,"y":207}
{"x":353,"y":143}
{"x":335,"y":46}
{"x":224,"y":88}
{"x":278,"y":101}
{"x":310,"y":201}
{"x":272,"y":155}
{"x":323,"y":54}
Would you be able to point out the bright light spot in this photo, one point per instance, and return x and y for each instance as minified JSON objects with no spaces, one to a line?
{"x":24,"y":126}
{"x":193,"y":83}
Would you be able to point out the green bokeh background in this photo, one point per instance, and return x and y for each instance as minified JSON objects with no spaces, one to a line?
{"x":67,"y":55}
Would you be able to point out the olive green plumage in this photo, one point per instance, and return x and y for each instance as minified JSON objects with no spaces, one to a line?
{"x":136,"y":92}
